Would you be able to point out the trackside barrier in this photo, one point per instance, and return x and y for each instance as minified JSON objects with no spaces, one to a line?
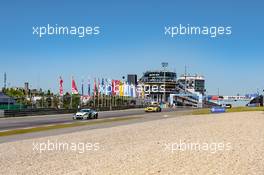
{"x":218,"y":109}
{"x":51,"y":111}
{"x":253,"y":105}
{"x":34,"y":112}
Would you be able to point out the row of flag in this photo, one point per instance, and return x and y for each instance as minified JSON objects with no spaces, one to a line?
{"x":103,"y":87}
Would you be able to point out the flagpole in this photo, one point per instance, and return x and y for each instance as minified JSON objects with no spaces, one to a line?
{"x":110,"y":102}
{"x":61,"y":93}
{"x":71,"y":94}
{"x":62,"y":100}
{"x":94,"y":92}
{"x":110,"y":97}
{"x":98,"y":93}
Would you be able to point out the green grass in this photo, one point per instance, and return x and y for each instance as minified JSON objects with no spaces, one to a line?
{"x":235,"y":109}
{"x":59,"y":126}
{"x":201,"y":111}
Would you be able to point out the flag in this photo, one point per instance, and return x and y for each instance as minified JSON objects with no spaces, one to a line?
{"x":140,"y":91}
{"x":89,"y":88}
{"x":98,"y":87}
{"x":95,"y":87}
{"x":61,"y":87}
{"x":133,"y":92}
{"x":82,"y":88}
{"x":128,"y":90}
{"x":115,"y":87}
{"x":125,"y":89}
{"x":121,"y":89}
{"x":74,"y":87}
{"x":108,"y":87}
{"x":102,"y":88}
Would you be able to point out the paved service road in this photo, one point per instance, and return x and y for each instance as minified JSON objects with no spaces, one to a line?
{"x":31,"y":121}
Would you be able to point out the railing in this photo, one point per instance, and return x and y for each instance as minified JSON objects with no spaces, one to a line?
{"x":34,"y":112}
{"x":51,"y":111}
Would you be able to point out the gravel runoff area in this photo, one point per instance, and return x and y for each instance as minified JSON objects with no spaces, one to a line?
{"x":230,"y":143}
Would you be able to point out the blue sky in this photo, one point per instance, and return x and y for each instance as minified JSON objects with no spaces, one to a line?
{"x":132,"y":40}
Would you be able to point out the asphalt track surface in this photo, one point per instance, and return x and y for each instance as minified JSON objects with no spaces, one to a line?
{"x":33,"y":121}
{"x":135,"y":115}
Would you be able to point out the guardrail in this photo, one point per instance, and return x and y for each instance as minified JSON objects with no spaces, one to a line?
{"x":50,"y":111}
{"x":34,"y":112}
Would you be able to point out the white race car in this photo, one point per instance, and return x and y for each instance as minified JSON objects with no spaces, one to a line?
{"x":86,"y":114}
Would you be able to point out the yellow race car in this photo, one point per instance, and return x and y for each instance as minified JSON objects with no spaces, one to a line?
{"x":153,"y":108}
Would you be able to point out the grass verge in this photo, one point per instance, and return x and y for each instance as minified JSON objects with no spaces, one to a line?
{"x":235,"y":109}
{"x":59,"y":126}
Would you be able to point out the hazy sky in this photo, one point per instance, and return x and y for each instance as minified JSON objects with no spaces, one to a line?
{"x":132,"y":40}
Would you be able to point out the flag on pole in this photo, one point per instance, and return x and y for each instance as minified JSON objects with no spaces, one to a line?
{"x":98,"y":86}
{"x":61,"y":87}
{"x":89,"y":88}
{"x":74,"y":87}
{"x":133,"y":91}
{"x":108,"y":89}
{"x":95,"y":85}
{"x":125,"y":89}
{"x":82,"y":89}
{"x":102,"y":89}
{"x":121,"y":89}
{"x":115,"y":87}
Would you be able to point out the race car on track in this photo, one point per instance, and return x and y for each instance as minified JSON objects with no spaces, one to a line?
{"x":86,"y":114}
{"x":153,"y":108}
